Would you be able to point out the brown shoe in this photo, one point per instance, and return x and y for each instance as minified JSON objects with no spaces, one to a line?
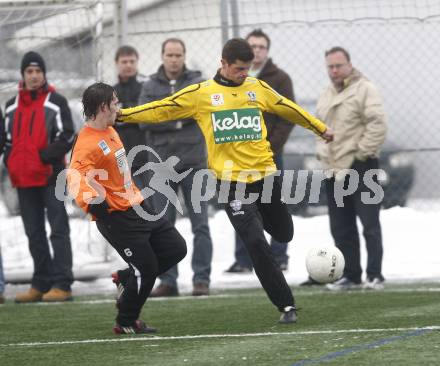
{"x":31,"y":295}
{"x":164,"y":291}
{"x":56,"y":294}
{"x":200,"y":289}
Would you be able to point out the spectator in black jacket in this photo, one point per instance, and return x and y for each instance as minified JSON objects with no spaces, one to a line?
{"x":184,"y":139}
{"x":39,"y":132}
{"x":278,"y":132}
{"x":128,"y":90}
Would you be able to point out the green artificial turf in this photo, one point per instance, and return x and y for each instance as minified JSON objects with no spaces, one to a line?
{"x":232,"y":328}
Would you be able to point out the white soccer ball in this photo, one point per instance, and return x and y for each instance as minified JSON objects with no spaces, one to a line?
{"x":325,"y":264}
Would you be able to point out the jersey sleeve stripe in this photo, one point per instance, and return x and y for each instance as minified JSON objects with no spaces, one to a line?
{"x":313,"y":127}
{"x":173,"y":102}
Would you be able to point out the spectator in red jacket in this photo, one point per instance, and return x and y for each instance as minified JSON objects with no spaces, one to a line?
{"x":39,"y":132}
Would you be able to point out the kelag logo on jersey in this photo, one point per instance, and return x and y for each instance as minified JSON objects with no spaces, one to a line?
{"x":236,"y":125}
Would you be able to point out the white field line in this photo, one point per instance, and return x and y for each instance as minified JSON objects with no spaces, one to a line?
{"x":209,"y":336}
{"x":230,"y":296}
{"x":111,"y":301}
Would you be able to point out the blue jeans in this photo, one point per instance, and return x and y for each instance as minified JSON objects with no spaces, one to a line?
{"x":49,"y":271}
{"x":202,"y":243}
{"x":278,"y":250}
{"x":2,"y":276}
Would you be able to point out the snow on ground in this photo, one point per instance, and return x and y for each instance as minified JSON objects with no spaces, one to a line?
{"x":411,"y":251}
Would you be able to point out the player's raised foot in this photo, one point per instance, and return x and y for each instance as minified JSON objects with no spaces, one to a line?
{"x":139,"y":327}
{"x":288,"y":316}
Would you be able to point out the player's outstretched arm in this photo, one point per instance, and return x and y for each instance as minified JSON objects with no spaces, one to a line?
{"x":291,"y":112}
{"x":180,"y":105}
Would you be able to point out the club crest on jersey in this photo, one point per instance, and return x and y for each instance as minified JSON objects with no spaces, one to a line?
{"x":252,"y":96}
{"x":236,"y":207}
{"x":217,"y":99}
{"x":104,"y":147}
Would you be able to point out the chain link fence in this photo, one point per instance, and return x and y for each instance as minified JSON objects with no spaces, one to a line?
{"x":393,"y":43}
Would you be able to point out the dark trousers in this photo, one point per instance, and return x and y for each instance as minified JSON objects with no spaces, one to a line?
{"x":278,"y":249}
{"x":49,"y":271}
{"x":250,"y":221}
{"x":344,"y":227}
{"x":149,"y":248}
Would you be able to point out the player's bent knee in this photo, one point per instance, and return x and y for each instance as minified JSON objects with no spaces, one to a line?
{"x":180,"y":249}
{"x":285,"y":235}
{"x":150,"y":271}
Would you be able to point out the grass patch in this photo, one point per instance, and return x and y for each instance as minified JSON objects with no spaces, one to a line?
{"x":230,"y":328}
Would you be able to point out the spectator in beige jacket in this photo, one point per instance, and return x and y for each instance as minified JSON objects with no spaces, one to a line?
{"x":352,"y":106}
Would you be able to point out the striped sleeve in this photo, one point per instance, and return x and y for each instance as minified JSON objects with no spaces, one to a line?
{"x":180,"y":105}
{"x":61,"y":143}
{"x":290,"y":111}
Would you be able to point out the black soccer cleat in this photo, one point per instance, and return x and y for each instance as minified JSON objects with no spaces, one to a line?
{"x":120,"y":279}
{"x":289,"y":315}
{"x":139,"y":327}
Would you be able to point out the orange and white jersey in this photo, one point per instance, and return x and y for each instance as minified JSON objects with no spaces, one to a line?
{"x":99,"y":167}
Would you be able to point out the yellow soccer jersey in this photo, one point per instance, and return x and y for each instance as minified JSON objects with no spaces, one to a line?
{"x":230,"y":118}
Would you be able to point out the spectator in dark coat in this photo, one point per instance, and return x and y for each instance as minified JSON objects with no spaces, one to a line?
{"x":128,"y":90}
{"x":184,"y":139}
